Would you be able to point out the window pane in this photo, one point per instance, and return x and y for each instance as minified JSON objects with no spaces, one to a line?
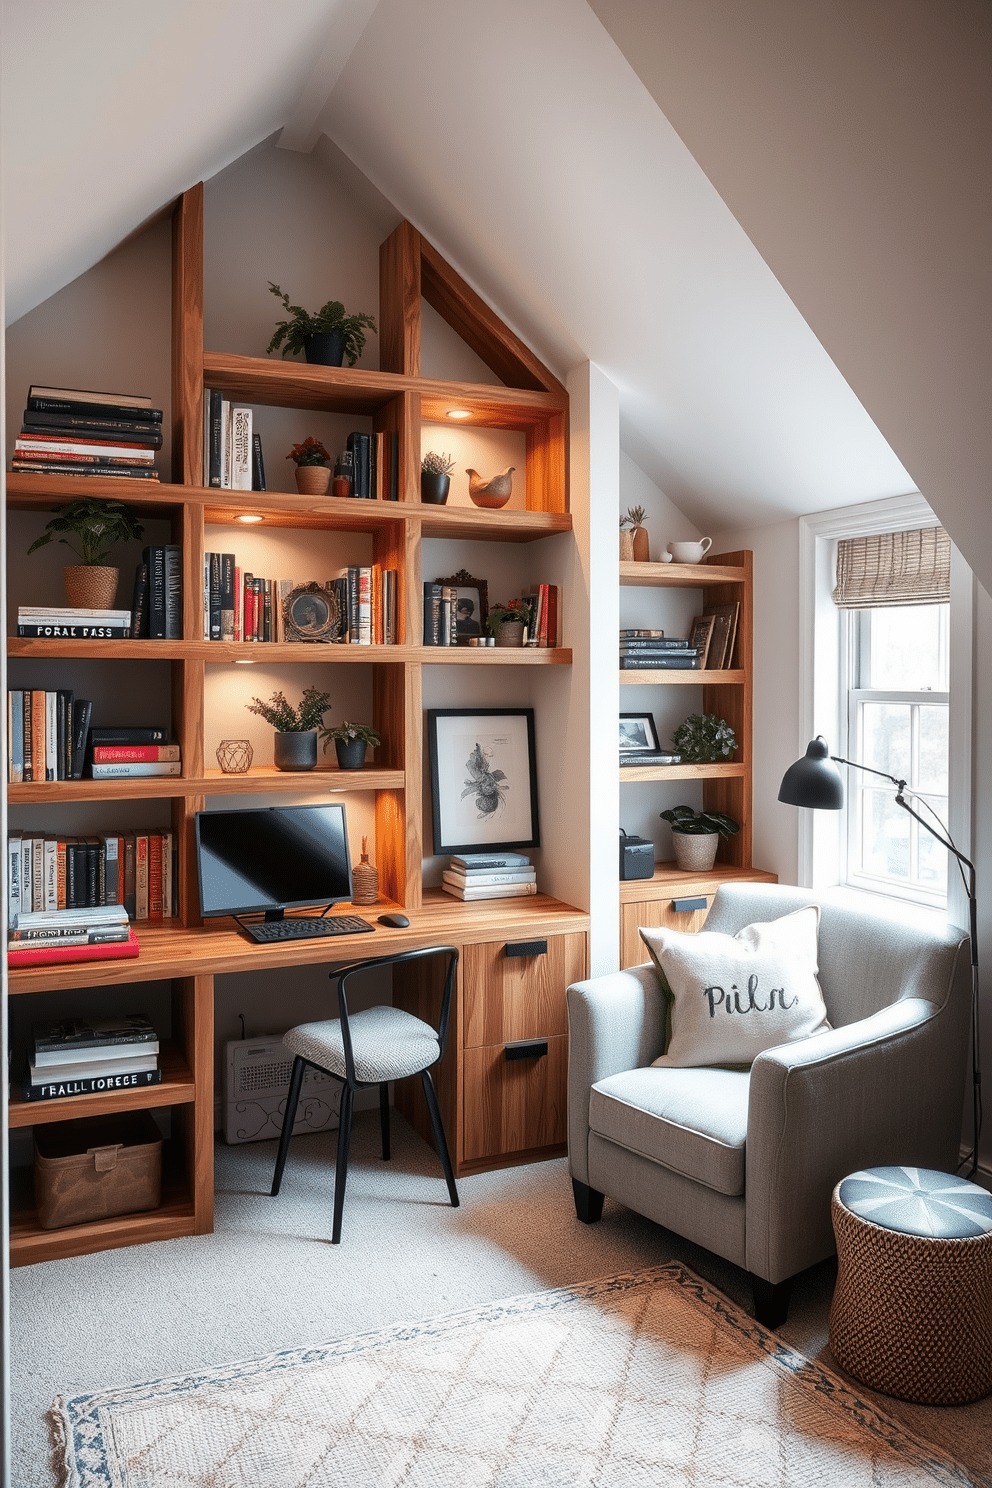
{"x":887,"y":743}
{"x":933,"y":750}
{"x":908,"y":648}
{"x":885,"y":838}
{"x":931,"y":868}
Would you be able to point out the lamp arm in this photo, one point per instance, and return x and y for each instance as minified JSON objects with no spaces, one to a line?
{"x":856,"y":765}
{"x":945,"y":841}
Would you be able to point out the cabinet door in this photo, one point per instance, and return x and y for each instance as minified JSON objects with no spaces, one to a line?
{"x":686,"y":912}
{"x":514,"y":1105}
{"x":511,"y":996}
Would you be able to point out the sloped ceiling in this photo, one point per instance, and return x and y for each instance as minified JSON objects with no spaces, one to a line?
{"x":520,"y":140}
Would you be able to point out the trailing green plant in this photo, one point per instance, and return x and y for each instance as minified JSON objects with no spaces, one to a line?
{"x":514,"y":610}
{"x":435,"y":464}
{"x":636,"y":516}
{"x":329,"y":320}
{"x":310,"y":452}
{"x":289,"y":718}
{"x":346,"y":732}
{"x":690,"y":823}
{"x":704,"y":738}
{"x":98,"y":525}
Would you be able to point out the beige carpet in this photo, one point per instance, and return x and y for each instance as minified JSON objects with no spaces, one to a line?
{"x":643,"y":1379}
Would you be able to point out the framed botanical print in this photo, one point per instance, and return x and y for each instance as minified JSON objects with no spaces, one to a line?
{"x":483,"y":778}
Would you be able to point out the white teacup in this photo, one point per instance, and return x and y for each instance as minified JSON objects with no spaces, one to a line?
{"x":690,"y":552}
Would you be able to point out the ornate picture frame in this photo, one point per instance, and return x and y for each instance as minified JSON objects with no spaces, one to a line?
{"x":483,"y":779}
{"x":472,"y":600}
{"x":310,"y":612}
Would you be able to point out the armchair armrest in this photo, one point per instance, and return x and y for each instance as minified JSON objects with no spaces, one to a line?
{"x":615,"y":1023}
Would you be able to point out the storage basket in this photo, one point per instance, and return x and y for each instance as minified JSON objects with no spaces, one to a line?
{"x":96,"y":1168}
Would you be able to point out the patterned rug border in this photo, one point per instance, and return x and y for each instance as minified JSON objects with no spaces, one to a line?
{"x":77,"y":1435}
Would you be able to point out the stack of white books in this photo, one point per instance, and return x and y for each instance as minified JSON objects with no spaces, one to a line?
{"x":490,"y":875}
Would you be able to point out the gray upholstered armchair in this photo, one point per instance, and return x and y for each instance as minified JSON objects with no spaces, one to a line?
{"x":744,"y":1164}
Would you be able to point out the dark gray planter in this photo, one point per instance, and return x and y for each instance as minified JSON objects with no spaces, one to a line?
{"x":324,"y":351}
{"x":434,"y":488}
{"x":350,"y":753}
{"x":295,"y":751}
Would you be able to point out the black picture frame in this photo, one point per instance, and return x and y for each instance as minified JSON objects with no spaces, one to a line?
{"x":468,"y":591}
{"x":483,"y":764}
{"x":638,"y":735}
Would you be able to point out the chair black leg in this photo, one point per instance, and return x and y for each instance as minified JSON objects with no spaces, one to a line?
{"x":588,"y":1202}
{"x":434,"y":1111}
{"x":341,"y":1171}
{"x":384,"y":1119}
{"x":771,"y":1301}
{"x":288,"y":1120}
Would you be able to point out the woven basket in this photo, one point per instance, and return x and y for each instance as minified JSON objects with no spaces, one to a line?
{"x":90,"y":586}
{"x":911,"y":1314}
{"x":313,"y":480}
{"x":364,"y":879}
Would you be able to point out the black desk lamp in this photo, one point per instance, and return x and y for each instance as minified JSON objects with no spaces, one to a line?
{"x":815,"y":781}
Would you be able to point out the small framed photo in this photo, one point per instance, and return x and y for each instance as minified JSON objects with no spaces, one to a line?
{"x":483,"y":778}
{"x":701,"y":636}
{"x":311,"y":613}
{"x":638,"y":735}
{"x":471,"y":605}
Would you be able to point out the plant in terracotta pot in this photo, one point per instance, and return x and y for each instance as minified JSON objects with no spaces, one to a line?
{"x":638,"y":534}
{"x":350,"y":742}
{"x":295,"y":743}
{"x":325,"y":337}
{"x":313,"y":473}
{"x":704,"y":738}
{"x":696,"y":836}
{"x":626,"y":541}
{"x":507,"y":622}
{"x":97,"y":525}
{"x":435,"y":477}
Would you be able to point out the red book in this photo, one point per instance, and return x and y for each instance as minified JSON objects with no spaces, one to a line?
{"x":155,"y":875}
{"x":122,"y":950}
{"x":554,"y":637}
{"x":110,"y":753}
{"x":542,"y":633}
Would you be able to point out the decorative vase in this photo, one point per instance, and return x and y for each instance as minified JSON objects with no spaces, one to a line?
{"x":313,"y":480}
{"x":364,"y":879}
{"x":695,"y":852}
{"x":90,"y":586}
{"x":350,"y":753}
{"x":434,"y":488}
{"x":641,"y":546}
{"x":626,"y":546}
{"x":510,"y":633}
{"x":235,"y":756}
{"x":324,"y":350}
{"x":295,"y":751}
{"x":494,"y":492}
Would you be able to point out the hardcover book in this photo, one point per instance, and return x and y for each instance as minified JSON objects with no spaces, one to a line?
{"x":136,"y":401}
{"x":52,"y":955}
{"x":91,"y":1085}
{"x":127,"y":735}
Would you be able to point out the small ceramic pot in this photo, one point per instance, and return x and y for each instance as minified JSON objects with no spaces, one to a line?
{"x":324,"y":351}
{"x":434,"y":488}
{"x":350,"y":753}
{"x":90,"y":586}
{"x":295,"y":751}
{"x":510,"y":633}
{"x":695,"y":852}
{"x":690,"y":552}
{"x":313,"y":480}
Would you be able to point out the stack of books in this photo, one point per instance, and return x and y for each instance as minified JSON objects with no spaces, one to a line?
{"x":232,"y":452}
{"x":652,"y":650}
{"x":124,"y":753}
{"x":67,"y":431}
{"x":545,"y":604}
{"x":46,"y":734}
{"x":375,"y":465}
{"x":133,"y":875}
{"x":101,"y":933}
{"x":492,"y":875}
{"x":79,"y":1058}
{"x":64,"y":623}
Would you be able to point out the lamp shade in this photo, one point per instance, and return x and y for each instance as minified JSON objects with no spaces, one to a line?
{"x":813,"y":780}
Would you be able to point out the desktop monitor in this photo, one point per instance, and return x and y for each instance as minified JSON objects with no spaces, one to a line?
{"x":271,"y":859}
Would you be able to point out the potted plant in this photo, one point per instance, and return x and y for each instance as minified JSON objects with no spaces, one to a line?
{"x":638,"y":534}
{"x":696,"y":836}
{"x":326,"y":337}
{"x":435,"y":477}
{"x":508,"y":622}
{"x":704,"y":738}
{"x":313,"y":473}
{"x":626,"y":541}
{"x":97,"y":526}
{"x":350,"y":742}
{"x":295,"y":742}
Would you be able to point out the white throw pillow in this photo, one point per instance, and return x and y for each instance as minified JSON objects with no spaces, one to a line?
{"x":733,"y":996}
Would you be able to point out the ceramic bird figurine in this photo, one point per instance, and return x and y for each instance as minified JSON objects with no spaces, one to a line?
{"x":493,"y":492}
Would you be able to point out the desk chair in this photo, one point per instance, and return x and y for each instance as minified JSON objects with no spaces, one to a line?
{"x":370,"y":1048}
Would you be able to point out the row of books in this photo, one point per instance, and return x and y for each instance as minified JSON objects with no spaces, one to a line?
{"x":492,"y":875}
{"x":76,"y":1057}
{"x":51,"y":872}
{"x":357,"y":608}
{"x":71,"y":431}
{"x":46,"y":734}
{"x":375,"y":465}
{"x":232,"y":451}
{"x":652,"y":649}
{"x":452,"y":614}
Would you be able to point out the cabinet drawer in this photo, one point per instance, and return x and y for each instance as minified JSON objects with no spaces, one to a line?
{"x":654,"y":914}
{"x":513,"y":1105}
{"x":508,"y":996}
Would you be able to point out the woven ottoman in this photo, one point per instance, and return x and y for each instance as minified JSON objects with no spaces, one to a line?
{"x":912,"y":1310}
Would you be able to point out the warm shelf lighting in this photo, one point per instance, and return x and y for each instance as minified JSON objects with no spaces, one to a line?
{"x":244,"y":661}
{"x":249,"y":517}
{"x":459,"y":413}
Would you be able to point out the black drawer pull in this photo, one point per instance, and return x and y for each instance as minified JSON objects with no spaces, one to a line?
{"x":526,"y":948}
{"x":683,"y":906}
{"x":526,"y":1049}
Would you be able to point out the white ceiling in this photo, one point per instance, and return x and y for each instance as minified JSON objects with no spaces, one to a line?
{"x":517,"y":137}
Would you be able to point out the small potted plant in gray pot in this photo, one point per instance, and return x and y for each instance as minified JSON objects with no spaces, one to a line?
{"x":294,"y":746}
{"x":325,"y":337}
{"x":97,"y":525}
{"x":435,"y":477}
{"x":350,"y":743}
{"x":696,"y":836}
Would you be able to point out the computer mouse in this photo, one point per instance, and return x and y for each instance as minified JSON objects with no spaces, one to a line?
{"x":395,"y":921}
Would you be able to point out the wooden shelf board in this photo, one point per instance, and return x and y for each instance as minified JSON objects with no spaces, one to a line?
{"x":637,"y":773}
{"x":30,"y":1244}
{"x":482,"y":525}
{"x":494,"y":655}
{"x":671,"y":677}
{"x":25,"y":491}
{"x":213,"y":783}
{"x":678,"y":575}
{"x":670,"y":882}
{"x":177,"y":1089}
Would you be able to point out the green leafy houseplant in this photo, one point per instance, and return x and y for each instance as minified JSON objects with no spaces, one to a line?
{"x":288,"y":718}
{"x":310,"y":452}
{"x":690,"y":823}
{"x":97,"y":525}
{"x":514,"y":610}
{"x":346,"y":732}
{"x":704,"y":738}
{"x":329,"y":320}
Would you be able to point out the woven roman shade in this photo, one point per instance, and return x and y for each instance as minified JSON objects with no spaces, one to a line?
{"x":893,"y":568}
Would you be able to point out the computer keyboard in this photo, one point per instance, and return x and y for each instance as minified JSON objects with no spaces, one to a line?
{"x":305,"y":927}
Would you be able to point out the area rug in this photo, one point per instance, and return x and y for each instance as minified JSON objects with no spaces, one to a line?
{"x":634,"y":1381}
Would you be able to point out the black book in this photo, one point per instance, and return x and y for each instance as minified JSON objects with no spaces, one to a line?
{"x":149,"y":436}
{"x":77,"y":467}
{"x":393,"y":483}
{"x":84,"y":632}
{"x":92,"y":898}
{"x":432,"y":614}
{"x":173,"y":592}
{"x":155,"y":558}
{"x":127,"y":735}
{"x":358,"y":444}
{"x":266,"y":609}
{"x":91,"y":1085}
{"x":215,"y":596}
{"x":75,"y":874}
{"x":672,"y":661}
{"x":216,"y":437}
{"x":226,"y":597}
{"x":82,"y":710}
{"x":68,"y":1034}
{"x":80,"y":405}
{"x":652,"y":643}
{"x":257,"y":464}
{"x":139,"y":603}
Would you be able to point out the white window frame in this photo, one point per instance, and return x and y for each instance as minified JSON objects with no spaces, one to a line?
{"x":822,"y":843}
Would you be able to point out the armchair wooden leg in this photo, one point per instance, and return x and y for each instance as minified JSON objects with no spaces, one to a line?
{"x":588,"y":1202}
{"x":771,"y":1301}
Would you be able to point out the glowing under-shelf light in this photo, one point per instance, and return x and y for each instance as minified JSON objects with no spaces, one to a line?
{"x":458,"y":413}
{"x":249,"y":517}
{"x":244,"y":661}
